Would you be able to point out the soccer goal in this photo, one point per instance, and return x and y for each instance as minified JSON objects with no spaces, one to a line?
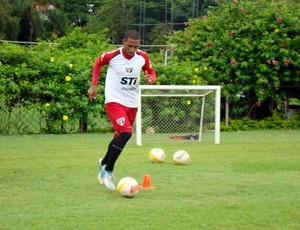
{"x":179,"y":112}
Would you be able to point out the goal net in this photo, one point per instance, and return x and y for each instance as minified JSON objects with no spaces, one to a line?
{"x":178,"y":112}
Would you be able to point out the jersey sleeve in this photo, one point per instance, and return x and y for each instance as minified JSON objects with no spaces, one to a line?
{"x":99,"y":62}
{"x":148,"y":68}
{"x":96,"y":71}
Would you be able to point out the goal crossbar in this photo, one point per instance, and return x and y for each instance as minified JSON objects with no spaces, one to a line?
{"x":210,"y":88}
{"x":176,"y":95}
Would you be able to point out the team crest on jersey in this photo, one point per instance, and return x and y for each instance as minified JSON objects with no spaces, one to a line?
{"x":129,"y":70}
{"x":120,"y":121}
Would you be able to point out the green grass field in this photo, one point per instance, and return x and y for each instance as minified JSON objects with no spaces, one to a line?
{"x":249,"y":181}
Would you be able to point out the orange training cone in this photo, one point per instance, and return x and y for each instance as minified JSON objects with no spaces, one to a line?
{"x":147,"y":183}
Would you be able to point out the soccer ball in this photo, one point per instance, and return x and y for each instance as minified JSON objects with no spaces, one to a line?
{"x":181,"y":157}
{"x":128,"y":187}
{"x":157,"y":155}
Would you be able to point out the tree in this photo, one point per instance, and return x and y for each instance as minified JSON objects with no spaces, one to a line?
{"x":116,"y":15}
{"x":77,"y":12}
{"x":47,"y":23}
{"x":9,"y":23}
{"x":251,"y":48}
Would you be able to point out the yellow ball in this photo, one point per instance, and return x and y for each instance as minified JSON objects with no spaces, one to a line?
{"x":157,"y":155}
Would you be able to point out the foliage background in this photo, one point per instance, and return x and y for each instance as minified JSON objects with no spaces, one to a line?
{"x":53,"y":78}
{"x":34,"y":19}
{"x":251,"y":48}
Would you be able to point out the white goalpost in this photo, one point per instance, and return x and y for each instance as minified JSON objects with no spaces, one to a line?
{"x":178,"y":110}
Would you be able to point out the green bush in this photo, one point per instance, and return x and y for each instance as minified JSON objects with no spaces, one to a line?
{"x":276,"y":122}
{"x":53,"y":79}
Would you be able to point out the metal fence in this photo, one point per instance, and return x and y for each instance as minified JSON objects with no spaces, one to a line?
{"x":22,"y":120}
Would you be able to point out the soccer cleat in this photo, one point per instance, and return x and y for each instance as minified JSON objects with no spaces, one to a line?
{"x":100,"y":171}
{"x":109,"y":180}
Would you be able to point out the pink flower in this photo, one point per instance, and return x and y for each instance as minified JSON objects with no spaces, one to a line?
{"x":287,"y":62}
{"x":279,"y":19}
{"x":233,"y":62}
{"x":230,"y":34}
{"x":234,"y":1}
{"x":257,"y":104}
{"x":269,"y":62}
{"x":275,"y":62}
{"x":208,"y":44}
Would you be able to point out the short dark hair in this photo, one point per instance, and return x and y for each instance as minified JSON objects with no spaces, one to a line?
{"x":133,"y":34}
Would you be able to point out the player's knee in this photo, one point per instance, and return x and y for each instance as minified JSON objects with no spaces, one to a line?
{"x":124,"y":137}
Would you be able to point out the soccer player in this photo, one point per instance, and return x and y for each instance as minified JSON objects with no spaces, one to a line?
{"x":121,"y":96}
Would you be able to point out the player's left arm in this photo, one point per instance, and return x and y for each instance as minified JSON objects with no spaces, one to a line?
{"x":150,"y":74}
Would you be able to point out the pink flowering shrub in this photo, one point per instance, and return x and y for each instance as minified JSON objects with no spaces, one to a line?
{"x":245,"y":49}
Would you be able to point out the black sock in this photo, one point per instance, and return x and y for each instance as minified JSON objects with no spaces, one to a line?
{"x":104,"y":160}
{"x":114,"y":150}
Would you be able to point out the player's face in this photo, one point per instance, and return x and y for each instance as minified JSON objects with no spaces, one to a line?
{"x":130,"y":46}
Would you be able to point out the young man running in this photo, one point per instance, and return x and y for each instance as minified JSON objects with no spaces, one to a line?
{"x":121,"y":96}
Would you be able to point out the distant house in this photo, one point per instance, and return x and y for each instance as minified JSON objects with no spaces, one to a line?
{"x":43,"y":6}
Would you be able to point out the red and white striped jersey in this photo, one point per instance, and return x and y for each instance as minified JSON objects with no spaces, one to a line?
{"x":123,"y":75}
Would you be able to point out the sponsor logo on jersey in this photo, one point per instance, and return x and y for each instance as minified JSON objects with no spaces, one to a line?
{"x":128,"y":80}
{"x":120,"y":121}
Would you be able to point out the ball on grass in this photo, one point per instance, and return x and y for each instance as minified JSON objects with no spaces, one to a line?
{"x":181,"y":157}
{"x":128,"y":187}
{"x":157,"y":155}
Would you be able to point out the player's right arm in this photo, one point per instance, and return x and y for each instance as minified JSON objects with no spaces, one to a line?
{"x":104,"y":59}
{"x":92,"y":92}
{"x":97,"y":68}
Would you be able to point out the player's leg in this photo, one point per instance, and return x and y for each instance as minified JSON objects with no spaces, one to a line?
{"x":121,"y":137}
{"x":122,"y":119}
{"x":131,"y":114}
{"x":102,"y":161}
{"x":122,"y":124}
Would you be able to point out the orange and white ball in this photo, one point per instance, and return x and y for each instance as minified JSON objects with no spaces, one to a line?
{"x":128,"y":187}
